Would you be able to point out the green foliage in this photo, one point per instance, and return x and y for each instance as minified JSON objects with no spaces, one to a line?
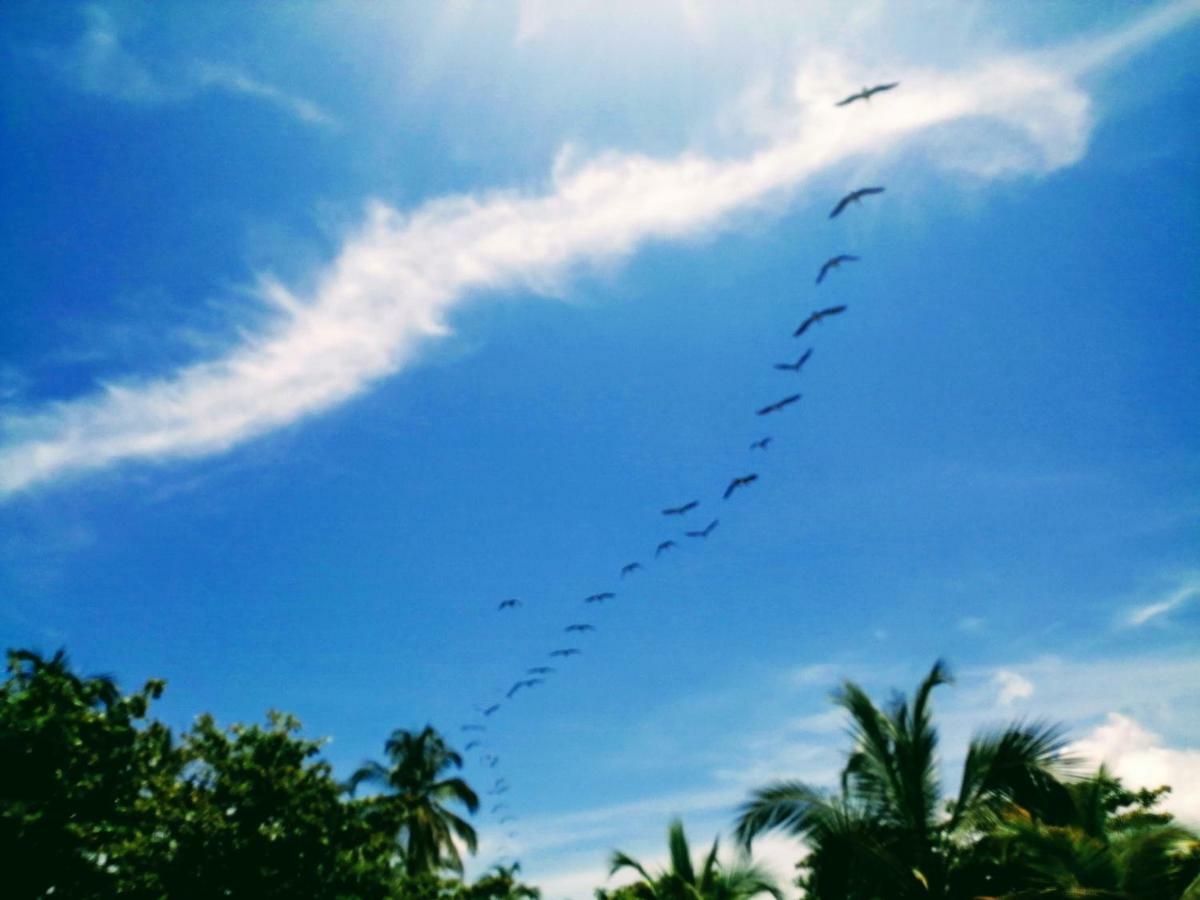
{"x":80,"y":769}
{"x":414,"y":798}
{"x":684,"y":881}
{"x":97,"y":800}
{"x":1020,"y":826}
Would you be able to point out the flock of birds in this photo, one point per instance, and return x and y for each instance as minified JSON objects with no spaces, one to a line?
{"x":537,"y":675}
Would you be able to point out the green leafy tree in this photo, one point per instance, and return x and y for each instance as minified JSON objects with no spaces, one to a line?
{"x":684,"y":881}
{"x":1115,"y":845}
{"x":98,"y":801}
{"x":414,"y":798}
{"x":80,"y":768}
{"x":888,"y":832}
{"x":257,"y":814}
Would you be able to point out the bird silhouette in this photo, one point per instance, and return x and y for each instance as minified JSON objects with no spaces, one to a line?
{"x":761,"y":443}
{"x":664,"y":546}
{"x":491,"y":709}
{"x":778,"y":405}
{"x":833,"y":262}
{"x":630,"y":569}
{"x":817,"y":317}
{"x":705,"y":532}
{"x":580,"y":628}
{"x":854,"y":197}
{"x":739,"y":482}
{"x":867,"y":93}
{"x":569,"y":651}
{"x":797,"y":365}
{"x":510,"y":603}
{"x":599,"y":598}
{"x":540,"y":670}
{"x":527,"y":683}
{"x":680,"y":510}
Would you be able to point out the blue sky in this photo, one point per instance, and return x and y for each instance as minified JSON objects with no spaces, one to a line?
{"x":328,"y":328}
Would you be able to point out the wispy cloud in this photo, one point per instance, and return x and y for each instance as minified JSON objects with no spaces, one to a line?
{"x":99,"y":63}
{"x":398,"y":275}
{"x":1184,"y":593}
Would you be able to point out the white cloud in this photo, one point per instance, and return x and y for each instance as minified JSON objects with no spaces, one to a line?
{"x":99,"y":63}
{"x":1138,"y":757}
{"x":1183,"y":593}
{"x":1012,"y":687}
{"x":398,"y":275}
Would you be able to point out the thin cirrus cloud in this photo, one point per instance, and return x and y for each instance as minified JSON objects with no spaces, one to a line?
{"x":398,"y":275}
{"x":99,"y":63}
{"x":1187,"y":591}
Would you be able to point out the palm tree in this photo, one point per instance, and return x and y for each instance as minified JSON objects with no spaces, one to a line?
{"x":888,"y":832}
{"x":414,"y":797}
{"x":681,"y":881}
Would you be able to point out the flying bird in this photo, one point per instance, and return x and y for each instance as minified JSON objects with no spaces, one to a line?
{"x":797,"y":365}
{"x":510,"y":603}
{"x":739,"y":482}
{"x":569,"y":651}
{"x":580,"y":628}
{"x":867,"y":93}
{"x":778,"y":405}
{"x":665,"y":545}
{"x":817,"y":317}
{"x":632,"y":567}
{"x":680,"y":510}
{"x":854,"y":197}
{"x":599,"y":598}
{"x":527,"y":683}
{"x":833,"y":262}
{"x":706,"y":532}
{"x":540,"y":670}
{"x":491,"y":709}
{"x":761,"y":443}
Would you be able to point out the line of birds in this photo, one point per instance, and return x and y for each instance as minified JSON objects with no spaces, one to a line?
{"x":537,"y":675}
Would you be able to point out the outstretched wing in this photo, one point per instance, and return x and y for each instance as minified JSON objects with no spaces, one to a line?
{"x":842,"y":204}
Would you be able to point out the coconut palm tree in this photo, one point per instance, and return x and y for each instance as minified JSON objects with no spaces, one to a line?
{"x":681,"y":881}
{"x":889,"y":832}
{"x":413,"y":799}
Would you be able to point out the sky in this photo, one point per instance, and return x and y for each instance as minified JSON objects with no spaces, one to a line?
{"x":327,"y":328}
